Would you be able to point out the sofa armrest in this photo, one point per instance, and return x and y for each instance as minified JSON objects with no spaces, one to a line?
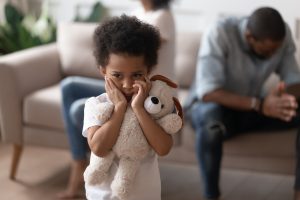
{"x":20,"y":74}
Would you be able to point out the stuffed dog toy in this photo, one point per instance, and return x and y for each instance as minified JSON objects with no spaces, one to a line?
{"x":131,"y":146}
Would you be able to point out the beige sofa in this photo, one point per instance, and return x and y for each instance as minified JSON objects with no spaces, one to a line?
{"x":30,"y":102}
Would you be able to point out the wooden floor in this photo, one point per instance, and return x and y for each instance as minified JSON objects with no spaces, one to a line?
{"x":44,"y":172}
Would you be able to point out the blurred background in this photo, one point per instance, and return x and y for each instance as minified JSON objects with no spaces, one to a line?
{"x":255,"y":170}
{"x":39,"y":17}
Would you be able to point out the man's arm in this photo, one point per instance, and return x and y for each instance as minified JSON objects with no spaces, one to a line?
{"x":289,"y":70}
{"x":277,"y":104}
{"x":231,"y":100}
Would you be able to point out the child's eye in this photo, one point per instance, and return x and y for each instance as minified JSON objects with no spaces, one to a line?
{"x":116,"y":75}
{"x":137,"y":76}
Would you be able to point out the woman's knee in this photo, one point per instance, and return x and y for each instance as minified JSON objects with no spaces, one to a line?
{"x":77,"y":112}
{"x":67,"y":84}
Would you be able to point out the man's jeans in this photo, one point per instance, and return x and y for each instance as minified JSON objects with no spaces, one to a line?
{"x":214,"y":123}
{"x":75,"y":90}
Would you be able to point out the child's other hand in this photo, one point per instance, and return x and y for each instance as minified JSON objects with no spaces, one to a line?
{"x":142,"y":89}
{"x":114,"y":94}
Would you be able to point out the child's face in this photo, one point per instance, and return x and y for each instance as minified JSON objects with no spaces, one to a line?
{"x":124,"y":70}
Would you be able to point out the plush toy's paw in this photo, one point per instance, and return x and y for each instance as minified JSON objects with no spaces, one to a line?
{"x":98,"y":169}
{"x":94,"y":177}
{"x":105,"y":110}
{"x":120,"y":188}
{"x":171,"y":123}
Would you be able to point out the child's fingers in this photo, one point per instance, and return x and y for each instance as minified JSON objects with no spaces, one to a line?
{"x":147,"y":79}
{"x":140,"y":87}
{"x":138,"y":84}
{"x":149,"y":83}
{"x":144,"y":84}
{"x":108,"y":85}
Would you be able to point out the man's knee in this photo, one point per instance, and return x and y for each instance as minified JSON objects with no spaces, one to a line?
{"x":207,"y":120}
{"x":204,"y":113}
{"x":214,"y":131}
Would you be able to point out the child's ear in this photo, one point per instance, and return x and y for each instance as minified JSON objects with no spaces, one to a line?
{"x":102,"y":71}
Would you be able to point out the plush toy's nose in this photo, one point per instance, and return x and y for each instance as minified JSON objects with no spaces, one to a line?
{"x":154,"y":100}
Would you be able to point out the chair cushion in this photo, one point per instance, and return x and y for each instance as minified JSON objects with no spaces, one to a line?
{"x":187,"y":46}
{"x":43,"y":108}
{"x":254,"y":144}
{"x":297,"y":54}
{"x":75,"y":47}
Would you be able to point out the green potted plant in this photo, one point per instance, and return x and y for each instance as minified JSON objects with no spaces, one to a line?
{"x":20,"y":32}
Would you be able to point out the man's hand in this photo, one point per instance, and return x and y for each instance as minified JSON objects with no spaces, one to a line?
{"x":279,"y":104}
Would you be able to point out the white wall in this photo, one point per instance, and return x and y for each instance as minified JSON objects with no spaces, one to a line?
{"x":290,"y":9}
{"x":190,"y":15}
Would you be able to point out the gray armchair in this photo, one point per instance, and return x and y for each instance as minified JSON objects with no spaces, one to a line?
{"x":30,"y":99}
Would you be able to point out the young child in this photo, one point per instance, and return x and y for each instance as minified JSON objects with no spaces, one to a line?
{"x":126,"y":51}
{"x":154,"y":12}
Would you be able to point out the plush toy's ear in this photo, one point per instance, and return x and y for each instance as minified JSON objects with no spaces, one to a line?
{"x":178,"y":108}
{"x":164,"y":79}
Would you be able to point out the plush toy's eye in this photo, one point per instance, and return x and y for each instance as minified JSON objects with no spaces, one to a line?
{"x":162,"y":106}
{"x":152,"y":105}
{"x":154,"y":100}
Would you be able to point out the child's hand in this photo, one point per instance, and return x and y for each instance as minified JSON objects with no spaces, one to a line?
{"x":114,"y":94}
{"x":142,"y":89}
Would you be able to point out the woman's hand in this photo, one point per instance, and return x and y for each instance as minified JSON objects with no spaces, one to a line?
{"x":279,"y":104}
{"x":142,"y":89}
{"x":114,"y":94}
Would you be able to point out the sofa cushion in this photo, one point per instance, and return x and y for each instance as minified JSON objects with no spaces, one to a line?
{"x":43,"y":108}
{"x":187,"y":45}
{"x":75,"y":46}
{"x":297,"y":44}
{"x":256,"y":144}
{"x":262,"y":143}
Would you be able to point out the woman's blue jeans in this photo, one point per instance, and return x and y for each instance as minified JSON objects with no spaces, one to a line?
{"x":75,"y":90}
{"x":214,"y":123}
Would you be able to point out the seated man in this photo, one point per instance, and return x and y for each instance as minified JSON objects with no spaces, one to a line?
{"x":236,"y":58}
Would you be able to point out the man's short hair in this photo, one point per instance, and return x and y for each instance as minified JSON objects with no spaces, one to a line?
{"x":266,"y":23}
{"x":129,"y":36}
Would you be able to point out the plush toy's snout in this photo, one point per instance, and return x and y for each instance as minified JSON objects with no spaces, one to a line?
{"x":153,"y":105}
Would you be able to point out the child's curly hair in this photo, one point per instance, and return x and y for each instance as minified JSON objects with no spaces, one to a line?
{"x":129,"y":36}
